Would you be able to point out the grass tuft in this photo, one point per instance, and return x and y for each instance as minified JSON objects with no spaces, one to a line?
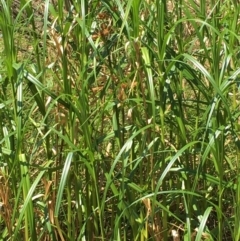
{"x":119,"y":120}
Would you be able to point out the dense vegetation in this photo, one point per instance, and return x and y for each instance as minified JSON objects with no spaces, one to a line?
{"x":120,"y":120}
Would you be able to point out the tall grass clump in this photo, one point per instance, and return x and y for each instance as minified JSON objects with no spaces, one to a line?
{"x":119,"y":120}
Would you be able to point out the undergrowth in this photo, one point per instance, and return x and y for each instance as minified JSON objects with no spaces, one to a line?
{"x":119,"y":120}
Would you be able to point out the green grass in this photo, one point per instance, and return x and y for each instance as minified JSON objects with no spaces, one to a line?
{"x":119,"y":120}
